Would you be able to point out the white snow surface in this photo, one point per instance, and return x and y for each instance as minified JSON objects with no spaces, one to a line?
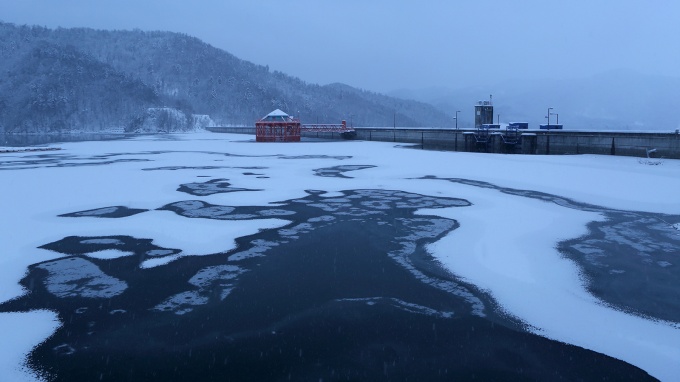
{"x":505,"y":245}
{"x":277,"y":113}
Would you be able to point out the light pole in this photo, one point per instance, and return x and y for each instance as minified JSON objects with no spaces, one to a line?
{"x":550,"y":108}
{"x":456,"y":118}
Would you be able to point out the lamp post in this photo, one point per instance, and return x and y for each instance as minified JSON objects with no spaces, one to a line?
{"x":550,"y":108}
{"x":456,"y":118}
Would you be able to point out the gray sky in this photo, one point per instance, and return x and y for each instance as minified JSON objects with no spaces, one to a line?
{"x":382,"y":45}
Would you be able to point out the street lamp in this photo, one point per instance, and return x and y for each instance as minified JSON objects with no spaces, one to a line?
{"x":456,"y":118}
{"x":548,"y":116}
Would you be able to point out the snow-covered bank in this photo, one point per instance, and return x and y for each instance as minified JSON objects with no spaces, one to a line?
{"x":505,"y":244}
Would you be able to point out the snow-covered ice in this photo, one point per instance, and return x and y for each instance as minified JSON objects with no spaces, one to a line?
{"x":505,"y":245}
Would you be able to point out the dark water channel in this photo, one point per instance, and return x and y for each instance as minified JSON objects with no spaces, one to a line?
{"x":630,"y":259}
{"x":346,"y":291}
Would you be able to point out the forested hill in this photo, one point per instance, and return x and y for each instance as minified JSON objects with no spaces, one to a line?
{"x":94,"y":80}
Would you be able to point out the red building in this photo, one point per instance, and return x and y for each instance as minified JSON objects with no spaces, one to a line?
{"x":277,"y":126}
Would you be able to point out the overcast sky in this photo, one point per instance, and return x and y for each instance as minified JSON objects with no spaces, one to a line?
{"x":383,"y":45}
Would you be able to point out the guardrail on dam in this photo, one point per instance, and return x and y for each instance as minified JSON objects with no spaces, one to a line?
{"x":539,"y":142}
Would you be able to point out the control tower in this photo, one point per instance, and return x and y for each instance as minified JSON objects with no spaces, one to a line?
{"x":483,"y":113}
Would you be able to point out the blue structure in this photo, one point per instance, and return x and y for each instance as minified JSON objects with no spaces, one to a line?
{"x":519,"y":125}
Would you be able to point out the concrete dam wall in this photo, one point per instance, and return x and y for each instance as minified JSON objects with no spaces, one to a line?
{"x":536,"y":142}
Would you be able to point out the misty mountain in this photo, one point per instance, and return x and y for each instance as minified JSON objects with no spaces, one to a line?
{"x":92,"y":80}
{"x":615,"y":100}
{"x":51,"y":88}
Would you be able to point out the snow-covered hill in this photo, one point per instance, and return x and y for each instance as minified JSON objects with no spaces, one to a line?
{"x":94,"y":80}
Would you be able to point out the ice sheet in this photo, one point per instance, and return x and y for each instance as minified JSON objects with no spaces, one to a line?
{"x":505,"y":244}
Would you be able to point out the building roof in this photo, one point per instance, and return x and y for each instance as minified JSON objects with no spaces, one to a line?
{"x":277,"y":115}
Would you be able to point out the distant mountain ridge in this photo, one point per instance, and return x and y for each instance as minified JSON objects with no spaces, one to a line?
{"x":95,"y":80}
{"x":615,"y":100}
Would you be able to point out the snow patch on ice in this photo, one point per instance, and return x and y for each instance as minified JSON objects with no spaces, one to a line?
{"x":76,"y":277}
{"x":102,"y":241}
{"x":430,"y":228}
{"x":206,"y":277}
{"x":259,"y":247}
{"x":108,"y":254}
{"x":159,"y":261}
{"x":218,"y":278}
{"x":159,"y":252}
{"x":182,"y":303}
